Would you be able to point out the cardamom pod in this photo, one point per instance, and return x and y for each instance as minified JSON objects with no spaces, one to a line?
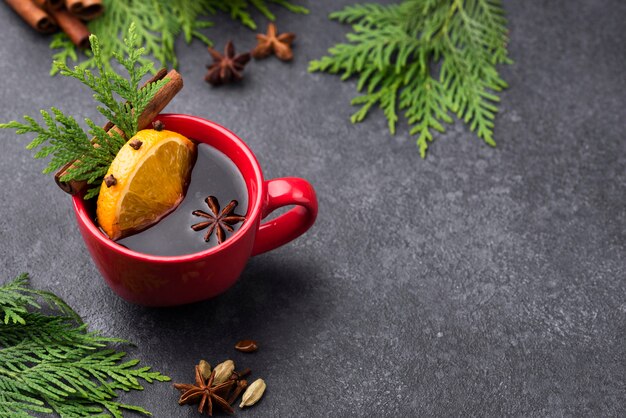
{"x":253,"y":393}
{"x":223,"y":371}
{"x":205,"y":369}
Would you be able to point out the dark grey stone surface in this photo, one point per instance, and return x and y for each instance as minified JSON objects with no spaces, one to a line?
{"x":477,"y":282}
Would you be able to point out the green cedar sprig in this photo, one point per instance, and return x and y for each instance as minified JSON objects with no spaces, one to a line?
{"x":159,"y":22}
{"x":428,"y":58}
{"x":52,"y":363}
{"x":61,"y":137}
{"x":16,"y":297}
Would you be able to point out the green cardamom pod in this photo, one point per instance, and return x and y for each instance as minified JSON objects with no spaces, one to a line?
{"x":253,"y":393}
{"x":205,"y":369}
{"x":223,"y":371}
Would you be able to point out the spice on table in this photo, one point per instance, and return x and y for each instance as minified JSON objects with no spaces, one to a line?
{"x":253,"y":393}
{"x":271,"y":42}
{"x":241,"y":386}
{"x":247,"y":346}
{"x":226,"y":68}
{"x":36,"y":17}
{"x":223,"y":371}
{"x":220,"y":222}
{"x":240,"y":375}
{"x":221,"y":387}
{"x":85,"y":9}
{"x":205,"y":369}
{"x":53,"y":4}
{"x":75,"y":29}
{"x":46,"y":16}
{"x":206,"y":393}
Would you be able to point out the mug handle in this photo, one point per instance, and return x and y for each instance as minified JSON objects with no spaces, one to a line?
{"x":281,"y":192}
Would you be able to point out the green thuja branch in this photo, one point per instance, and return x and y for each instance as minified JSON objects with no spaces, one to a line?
{"x":16,"y":297}
{"x":427,"y":58}
{"x":63,"y":140}
{"x":49,"y":362}
{"x":159,"y":22}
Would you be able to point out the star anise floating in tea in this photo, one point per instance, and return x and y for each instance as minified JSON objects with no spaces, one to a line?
{"x":219,"y":221}
{"x":226,"y":68}
{"x":218,"y":391}
{"x":271,"y":42}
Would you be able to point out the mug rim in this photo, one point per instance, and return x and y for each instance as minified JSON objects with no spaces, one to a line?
{"x":83,"y":216}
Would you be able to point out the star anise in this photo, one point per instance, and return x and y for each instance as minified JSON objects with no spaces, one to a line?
{"x":206,"y":393}
{"x":226,"y":68}
{"x":220,"y":222}
{"x":270,"y":42}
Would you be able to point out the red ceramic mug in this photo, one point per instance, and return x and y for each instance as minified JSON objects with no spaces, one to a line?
{"x":166,"y":281}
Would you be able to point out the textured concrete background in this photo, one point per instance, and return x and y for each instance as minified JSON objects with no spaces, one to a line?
{"x":477,"y":282}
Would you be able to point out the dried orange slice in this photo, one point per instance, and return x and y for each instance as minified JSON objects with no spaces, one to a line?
{"x":150,"y":174}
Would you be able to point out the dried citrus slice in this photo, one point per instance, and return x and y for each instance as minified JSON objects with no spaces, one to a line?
{"x":150,"y":174}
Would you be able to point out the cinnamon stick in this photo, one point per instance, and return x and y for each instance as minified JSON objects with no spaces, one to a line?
{"x":36,"y":17}
{"x":54,"y":4}
{"x":72,"y":26}
{"x":155,"y":106}
{"x":85,"y":9}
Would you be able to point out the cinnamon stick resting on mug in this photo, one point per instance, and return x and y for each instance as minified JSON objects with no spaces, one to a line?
{"x":155,"y":106}
{"x":85,"y":9}
{"x":36,"y":17}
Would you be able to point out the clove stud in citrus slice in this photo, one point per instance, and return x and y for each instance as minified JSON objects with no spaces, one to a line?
{"x":150,"y":182}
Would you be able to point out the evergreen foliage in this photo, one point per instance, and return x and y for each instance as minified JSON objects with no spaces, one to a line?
{"x":62,"y":138}
{"x":51,"y":363}
{"x":428,"y":58}
{"x":159,"y":22}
